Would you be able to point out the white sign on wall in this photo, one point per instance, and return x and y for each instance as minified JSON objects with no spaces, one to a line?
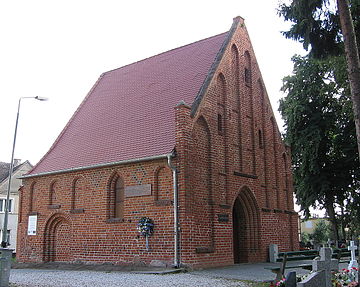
{"x":32,"y":223}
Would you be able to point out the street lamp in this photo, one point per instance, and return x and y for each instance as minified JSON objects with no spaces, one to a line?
{"x":4,"y":241}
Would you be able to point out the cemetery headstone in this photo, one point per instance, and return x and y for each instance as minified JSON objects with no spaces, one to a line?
{"x":321,"y":268}
{"x":329,"y":242}
{"x":352,"y":248}
{"x":290,"y":279}
{"x":273,"y":252}
{"x":316,"y":279}
{"x":353,"y":263}
{"x":326,"y":263}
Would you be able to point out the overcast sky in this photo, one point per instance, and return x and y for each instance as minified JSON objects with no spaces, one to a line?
{"x":58,"y":49}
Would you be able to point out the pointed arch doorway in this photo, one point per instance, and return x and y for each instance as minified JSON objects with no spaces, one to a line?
{"x":246,"y":227}
{"x":58,"y":241}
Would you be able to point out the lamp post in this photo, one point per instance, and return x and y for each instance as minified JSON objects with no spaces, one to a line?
{"x":4,"y":241}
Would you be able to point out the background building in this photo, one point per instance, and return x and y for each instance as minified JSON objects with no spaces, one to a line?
{"x":19,"y":170}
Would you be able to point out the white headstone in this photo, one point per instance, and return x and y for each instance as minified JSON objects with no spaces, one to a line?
{"x":353,"y":262}
{"x":329,"y":242}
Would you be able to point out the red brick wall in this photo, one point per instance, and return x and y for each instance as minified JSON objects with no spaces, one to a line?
{"x":248,"y":157}
{"x":242,"y":159}
{"x":82,"y":223}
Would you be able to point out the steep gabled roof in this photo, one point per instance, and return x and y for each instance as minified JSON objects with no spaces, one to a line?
{"x":129,"y":112}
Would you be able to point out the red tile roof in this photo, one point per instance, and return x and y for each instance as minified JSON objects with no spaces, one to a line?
{"x":129,"y":113}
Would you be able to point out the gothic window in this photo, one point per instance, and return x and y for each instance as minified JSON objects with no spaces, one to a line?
{"x":260,"y":137}
{"x":31,"y":199}
{"x":52,"y":197}
{"x":119,"y":198}
{"x":247,"y":76}
{"x":221,"y":91}
{"x":77,"y":196}
{"x":235,"y":67}
{"x":247,"y":69}
{"x":220,"y":124}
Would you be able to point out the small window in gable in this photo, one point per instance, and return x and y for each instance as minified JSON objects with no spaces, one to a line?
{"x":261,"y":139}
{"x":247,"y":76}
{"x":247,"y":70}
{"x":220,"y":124}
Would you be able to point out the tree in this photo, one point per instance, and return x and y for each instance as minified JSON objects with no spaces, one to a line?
{"x":320,"y":130}
{"x":326,"y":30}
{"x":321,"y":232}
{"x":320,"y":27}
{"x":352,"y":58}
{"x":350,"y":216}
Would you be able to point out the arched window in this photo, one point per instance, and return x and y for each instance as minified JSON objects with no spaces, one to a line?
{"x":220,"y":123}
{"x":31,"y":199}
{"x":221,"y":86}
{"x":119,"y":198}
{"x":235,"y":67}
{"x":52,"y":193}
{"x":260,"y":138}
{"x":77,"y":196}
{"x":247,"y":71}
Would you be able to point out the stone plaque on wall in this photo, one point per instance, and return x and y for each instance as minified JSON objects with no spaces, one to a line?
{"x":32,"y":225}
{"x":137,"y":190}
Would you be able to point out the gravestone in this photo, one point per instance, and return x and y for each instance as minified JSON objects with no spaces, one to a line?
{"x":328,"y":242}
{"x":326,"y":263}
{"x":273,"y":252}
{"x":353,"y":263}
{"x":290,"y":279}
{"x":316,"y":279}
{"x":322,"y":270}
{"x":352,"y":248}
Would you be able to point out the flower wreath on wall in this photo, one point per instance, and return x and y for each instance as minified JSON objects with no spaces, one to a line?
{"x":145,"y":227}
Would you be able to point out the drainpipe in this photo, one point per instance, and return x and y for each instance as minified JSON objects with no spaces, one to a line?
{"x":176,"y":213}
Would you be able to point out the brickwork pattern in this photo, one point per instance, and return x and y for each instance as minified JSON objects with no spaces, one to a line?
{"x":82,"y":229}
{"x":249,"y":167}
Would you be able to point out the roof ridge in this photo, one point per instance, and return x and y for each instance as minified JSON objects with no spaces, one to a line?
{"x":171,"y":50}
{"x":214,"y":66}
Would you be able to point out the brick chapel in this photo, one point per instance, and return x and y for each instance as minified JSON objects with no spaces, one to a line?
{"x":186,"y":138}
